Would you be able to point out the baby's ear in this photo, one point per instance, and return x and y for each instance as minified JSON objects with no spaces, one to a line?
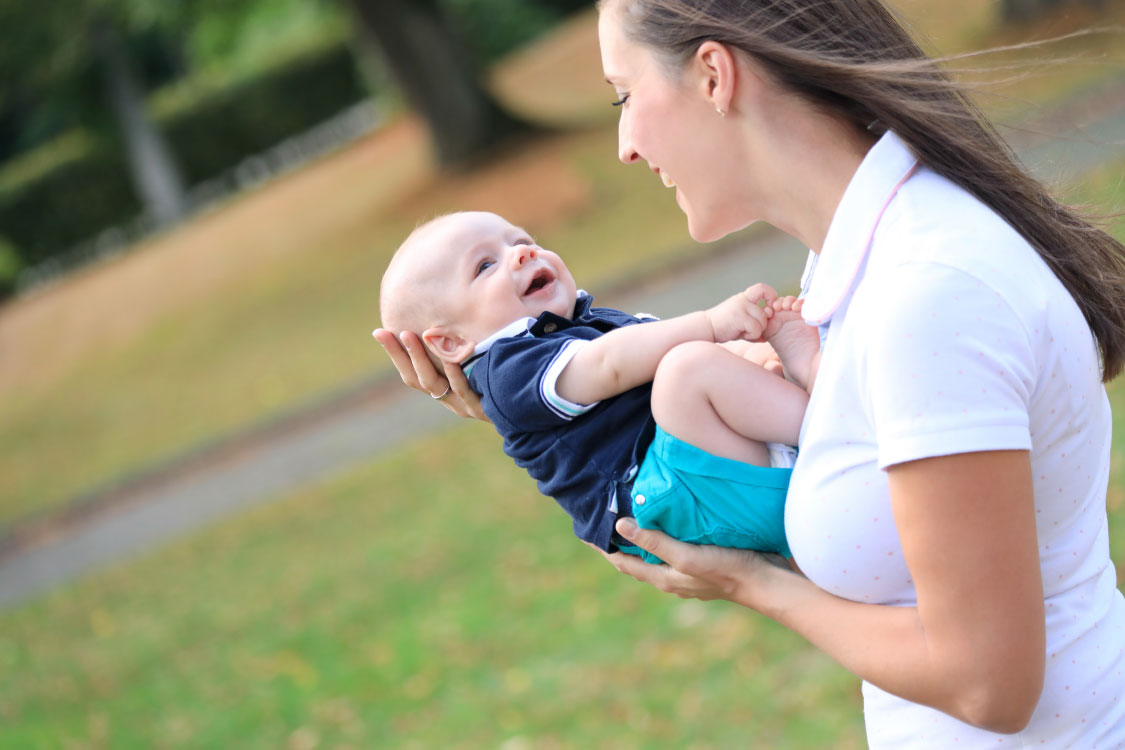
{"x":448,"y":345}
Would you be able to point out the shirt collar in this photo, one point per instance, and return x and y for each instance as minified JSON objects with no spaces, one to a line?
{"x":522,"y":327}
{"x":886,"y":167}
{"x":582,"y":304}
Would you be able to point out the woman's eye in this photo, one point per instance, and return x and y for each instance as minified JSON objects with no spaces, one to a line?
{"x":624,"y":98}
{"x":483,"y":266}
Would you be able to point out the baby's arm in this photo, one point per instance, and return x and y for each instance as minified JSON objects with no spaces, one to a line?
{"x":627,"y":357}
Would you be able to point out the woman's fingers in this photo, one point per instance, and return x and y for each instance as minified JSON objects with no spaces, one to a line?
{"x":432,"y":382}
{"x":450,"y":386}
{"x":463,"y":401}
{"x":399,"y":357}
{"x":697,"y":571}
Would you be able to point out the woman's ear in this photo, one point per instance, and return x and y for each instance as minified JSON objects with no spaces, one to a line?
{"x":718,"y":71}
{"x":449,"y":346}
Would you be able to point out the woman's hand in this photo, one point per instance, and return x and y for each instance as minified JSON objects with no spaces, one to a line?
{"x":450,"y":387}
{"x":692,"y":571}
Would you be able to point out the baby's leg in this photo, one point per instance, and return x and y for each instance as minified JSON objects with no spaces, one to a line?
{"x":724,"y":404}
{"x":760,"y":353}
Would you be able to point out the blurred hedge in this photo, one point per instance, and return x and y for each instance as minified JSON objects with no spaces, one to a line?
{"x":234,"y":123}
{"x":45,"y":211}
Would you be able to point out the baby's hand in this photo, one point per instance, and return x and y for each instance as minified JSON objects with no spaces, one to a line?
{"x":743,"y":316}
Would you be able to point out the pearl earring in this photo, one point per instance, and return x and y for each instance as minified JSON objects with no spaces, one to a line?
{"x":721,"y":112}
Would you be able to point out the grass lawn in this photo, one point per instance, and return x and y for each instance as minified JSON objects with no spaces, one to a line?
{"x":431,"y":600}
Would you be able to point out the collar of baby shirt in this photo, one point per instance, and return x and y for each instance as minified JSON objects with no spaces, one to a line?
{"x":529,"y":326}
{"x":835,"y":271}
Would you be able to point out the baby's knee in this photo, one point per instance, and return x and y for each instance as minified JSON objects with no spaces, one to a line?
{"x":684,"y":365}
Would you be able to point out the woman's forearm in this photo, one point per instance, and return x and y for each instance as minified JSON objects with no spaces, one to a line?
{"x":888,"y":647}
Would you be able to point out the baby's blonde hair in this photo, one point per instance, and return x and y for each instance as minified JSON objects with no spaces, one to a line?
{"x":409,"y":297}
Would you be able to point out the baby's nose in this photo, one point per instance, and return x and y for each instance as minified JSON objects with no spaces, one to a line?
{"x":523,"y":254}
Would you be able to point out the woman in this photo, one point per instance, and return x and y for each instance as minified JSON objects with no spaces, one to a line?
{"x":948,"y":505}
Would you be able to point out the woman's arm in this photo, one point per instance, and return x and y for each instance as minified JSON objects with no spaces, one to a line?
{"x":973,"y":647}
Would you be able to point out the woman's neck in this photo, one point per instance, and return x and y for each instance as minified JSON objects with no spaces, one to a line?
{"x":813,"y":159}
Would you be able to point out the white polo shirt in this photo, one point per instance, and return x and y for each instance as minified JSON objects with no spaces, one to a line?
{"x":946,"y":333}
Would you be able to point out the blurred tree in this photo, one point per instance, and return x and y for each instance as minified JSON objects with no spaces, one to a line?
{"x":435,"y":75}
{"x":46,"y":42}
{"x":156,"y":176}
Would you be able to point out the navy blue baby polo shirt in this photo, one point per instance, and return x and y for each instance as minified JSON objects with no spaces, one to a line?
{"x":584,"y":456}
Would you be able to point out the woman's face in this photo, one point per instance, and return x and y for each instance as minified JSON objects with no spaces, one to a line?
{"x":673,"y":126}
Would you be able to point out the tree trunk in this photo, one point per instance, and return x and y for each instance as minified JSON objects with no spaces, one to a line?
{"x":155,"y":176}
{"x":435,"y":75}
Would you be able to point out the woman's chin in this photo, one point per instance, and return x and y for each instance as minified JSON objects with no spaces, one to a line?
{"x":702,"y":231}
{"x":701,"y":228}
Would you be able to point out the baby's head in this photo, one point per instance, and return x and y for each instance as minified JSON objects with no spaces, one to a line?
{"x":462,"y":277}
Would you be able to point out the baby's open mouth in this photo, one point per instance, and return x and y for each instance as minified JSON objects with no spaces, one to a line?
{"x":542,"y":278}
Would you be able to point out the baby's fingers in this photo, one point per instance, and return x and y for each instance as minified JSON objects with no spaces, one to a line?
{"x":759,"y":321}
{"x":759,"y":292}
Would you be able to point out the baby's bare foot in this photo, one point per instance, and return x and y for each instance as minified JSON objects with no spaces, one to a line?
{"x":795,"y":341}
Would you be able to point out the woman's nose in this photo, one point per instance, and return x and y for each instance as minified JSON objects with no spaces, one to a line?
{"x":625,"y":151}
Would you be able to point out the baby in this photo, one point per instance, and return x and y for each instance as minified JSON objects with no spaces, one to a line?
{"x":681,"y":423}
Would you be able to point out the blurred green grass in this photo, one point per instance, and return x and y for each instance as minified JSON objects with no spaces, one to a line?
{"x":430,"y":600}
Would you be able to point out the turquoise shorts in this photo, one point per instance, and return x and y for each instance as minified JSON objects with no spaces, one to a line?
{"x":696,"y":497}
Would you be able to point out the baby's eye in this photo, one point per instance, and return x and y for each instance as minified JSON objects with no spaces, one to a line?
{"x":525,"y":241}
{"x":483,"y":266}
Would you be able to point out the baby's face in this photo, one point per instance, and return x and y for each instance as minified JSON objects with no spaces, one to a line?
{"x":496,"y":274}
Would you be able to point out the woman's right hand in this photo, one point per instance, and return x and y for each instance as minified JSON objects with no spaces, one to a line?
{"x":694,"y":571}
{"x":417,"y":371}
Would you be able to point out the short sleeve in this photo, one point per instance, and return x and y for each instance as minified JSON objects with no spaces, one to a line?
{"x":950,"y":367}
{"x":519,"y":384}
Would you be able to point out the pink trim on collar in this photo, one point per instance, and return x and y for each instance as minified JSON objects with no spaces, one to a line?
{"x":826,"y":314}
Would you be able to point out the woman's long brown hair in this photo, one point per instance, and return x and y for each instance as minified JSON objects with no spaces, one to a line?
{"x":855,"y":58}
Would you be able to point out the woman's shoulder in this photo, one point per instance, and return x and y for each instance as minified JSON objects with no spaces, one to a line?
{"x":935,"y":225}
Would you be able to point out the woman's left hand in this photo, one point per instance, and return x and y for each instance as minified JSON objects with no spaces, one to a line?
{"x":414,"y":367}
{"x":692,"y":571}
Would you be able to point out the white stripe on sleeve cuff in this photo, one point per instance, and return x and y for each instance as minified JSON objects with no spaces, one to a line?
{"x":556,"y":403}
